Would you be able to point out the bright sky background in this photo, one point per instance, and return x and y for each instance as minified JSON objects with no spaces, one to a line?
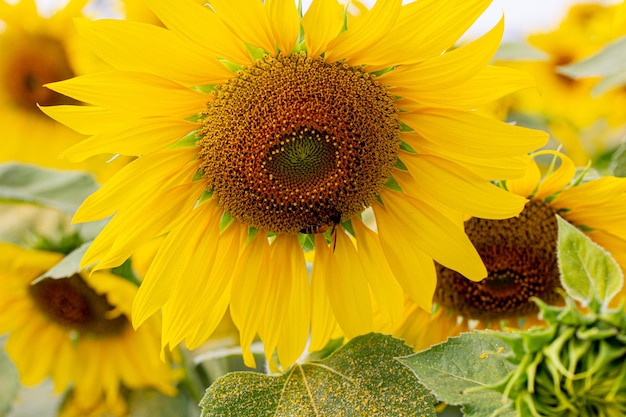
{"x":526,"y":16}
{"x":521,"y":16}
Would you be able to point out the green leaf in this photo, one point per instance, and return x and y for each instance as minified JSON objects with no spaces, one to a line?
{"x":518,"y":51}
{"x":609,"y":82}
{"x":461,"y":370}
{"x":618,"y":161}
{"x":9,"y":382}
{"x":67,"y":266}
{"x":588,"y":271}
{"x":62,"y":190}
{"x":361,"y":378}
{"x":608,"y":61}
{"x":151,"y":403}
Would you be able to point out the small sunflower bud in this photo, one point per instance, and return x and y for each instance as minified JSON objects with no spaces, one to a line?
{"x":574,"y":367}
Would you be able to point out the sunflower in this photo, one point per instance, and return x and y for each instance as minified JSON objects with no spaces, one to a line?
{"x":586,"y":124}
{"x":77,"y":331}
{"x":35,"y":50}
{"x":263,"y":132}
{"x":521,"y":254}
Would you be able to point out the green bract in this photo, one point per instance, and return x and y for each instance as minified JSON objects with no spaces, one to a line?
{"x":574,"y":367}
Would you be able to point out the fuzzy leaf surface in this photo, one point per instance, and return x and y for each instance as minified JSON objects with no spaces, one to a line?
{"x":460,"y":370}
{"x":588,"y":271}
{"x":361,"y":378}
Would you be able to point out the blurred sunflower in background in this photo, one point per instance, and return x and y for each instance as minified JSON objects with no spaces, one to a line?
{"x":520,"y":254}
{"x":76,"y":330}
{"x":263,"y":131}
{"x":586,"y":123}
{"x":35,"y":50}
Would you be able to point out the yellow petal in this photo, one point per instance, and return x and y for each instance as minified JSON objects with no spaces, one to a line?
{"x":214,"y":298}
{"x":434,"y":233}
{"x":597,"y":193}
{"x":526,"y":185}
{"x":478,"y":136}
{"x":385,"y":287}
{"x":367,"y":30}
{"x":140,"y":137}
{"x":135,"y":46}
{"x":248,"y":20}
{"x":414,"y":270}
{"x":87,"y":120}
{"x":295,"y":331}
{"x":285,"y":21}
{"x":321,"y":23}
{"x":323,"y":323}
{"x":559,"y":178}
{"x":201,"y":28}
{"x":348,"y":289}
{"x":134,"y":93}
{"x":143,"y":221}
{"x":158,"y":284}
{"x":450,"y":69}
{"x":485,"y":167}
{"x":490,"y":84}
{"x":417,"y":34}
{"x":156,"y":171}
{"x":201,"y":235}
{"x":460,"y":188}
{"x":249,"y":292}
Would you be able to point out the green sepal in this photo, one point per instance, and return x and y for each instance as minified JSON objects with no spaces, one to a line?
{"x":405,"y":128}
{"x":392,"y":184}
{"x":406,"y":147}
{"x":231,"y":66}
{"x":187,"y":141}
{"x":256,"y":53}
{"x":400,"y":165}
{"x":126,"y":271}
{"x":206,"y":88}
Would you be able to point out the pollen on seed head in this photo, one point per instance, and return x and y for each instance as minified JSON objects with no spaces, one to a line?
{"x":520,"y":257}
{"x":294,"y":142}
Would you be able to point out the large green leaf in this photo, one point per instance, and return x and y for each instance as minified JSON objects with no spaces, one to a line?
{"x":588,"y":271}
{"x":62,"y":190}
{"x":362,"y":378}
{"x":460,"y":371}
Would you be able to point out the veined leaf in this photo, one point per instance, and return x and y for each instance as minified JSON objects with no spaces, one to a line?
{"x":461,"y":370}
{"x":361,"y":378}
{"x":588,"y":271}
{"x":62,"y":190}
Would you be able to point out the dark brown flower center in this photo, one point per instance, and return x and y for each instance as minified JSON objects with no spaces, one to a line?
{"x":520,"y":257}
{"x":70,"y":302}
{"x":296,"y":143}
{"x":32,"y":62}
